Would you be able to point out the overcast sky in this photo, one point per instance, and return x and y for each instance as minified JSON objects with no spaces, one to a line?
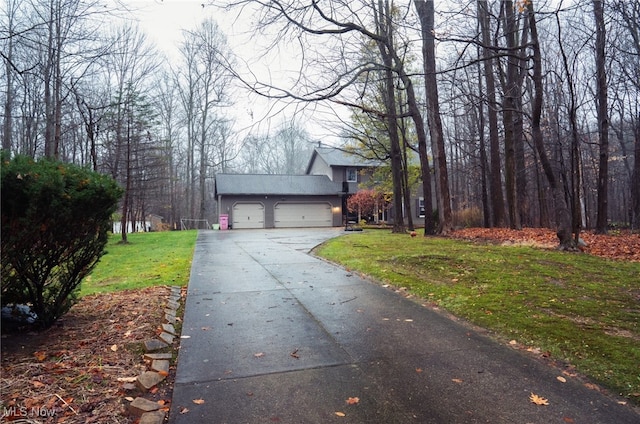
{"x":163,"y":21}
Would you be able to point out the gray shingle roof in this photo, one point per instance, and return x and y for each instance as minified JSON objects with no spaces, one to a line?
{"x":337,"y":157}
{"x":315,"y":185}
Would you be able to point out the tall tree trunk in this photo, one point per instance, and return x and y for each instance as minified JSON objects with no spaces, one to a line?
{"x":603,"y":120}
{"x":49,"y":148}
{"x":635,"y":179}
{"x":128,"y":171}
{"x":406,"y":189}
{"x":509,"y":113}
{"x":495,"y":175}
{"x":7,"y":129}
{"x":520,"y":163}
{"x":484,"y":166}
{"x":575,"y":142}
{"x":563,"y":217}
{"x":384,"y":29}
{"x":426,"y":13}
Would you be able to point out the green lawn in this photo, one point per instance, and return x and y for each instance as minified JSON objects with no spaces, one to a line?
{"x":580,"y":308}
{"x":162,"y":258}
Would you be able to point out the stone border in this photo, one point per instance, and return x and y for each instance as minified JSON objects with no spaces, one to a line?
{"x":149,"y":411}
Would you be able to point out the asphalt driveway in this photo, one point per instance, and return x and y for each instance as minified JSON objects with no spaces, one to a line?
{"x":272,"y":334}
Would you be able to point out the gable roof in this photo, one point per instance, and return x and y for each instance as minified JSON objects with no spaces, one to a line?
{"x":336,"y":157}
{"x":273,"y":184}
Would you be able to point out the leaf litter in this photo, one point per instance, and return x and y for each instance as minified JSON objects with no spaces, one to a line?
{"x":81,"y":369}
{"x":622,"y":245}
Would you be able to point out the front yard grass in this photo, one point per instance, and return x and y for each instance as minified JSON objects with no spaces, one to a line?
{"x":149,"y":259}
{"x":577,"y":308}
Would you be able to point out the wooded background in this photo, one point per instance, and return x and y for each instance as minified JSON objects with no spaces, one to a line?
{"x":516,"y":113}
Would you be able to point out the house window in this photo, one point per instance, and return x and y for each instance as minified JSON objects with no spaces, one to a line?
{"x":352,"y":175}
{"x":420,"y":207}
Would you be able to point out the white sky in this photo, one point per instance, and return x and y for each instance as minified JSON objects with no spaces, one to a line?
{"x":163,"y":22}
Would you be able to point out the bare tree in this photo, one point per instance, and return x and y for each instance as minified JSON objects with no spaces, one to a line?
{"x":563,"y":217}
{"x":426,"y":10}
{"x":495,"y":181}
{"x":204,"y":89}
{"x":9,"y":32}
{"x":129,"y":129}
{"x":603,"y":119}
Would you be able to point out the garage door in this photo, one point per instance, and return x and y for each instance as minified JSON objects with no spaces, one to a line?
{"x":248,"y":215}
{"x":303,"y":215}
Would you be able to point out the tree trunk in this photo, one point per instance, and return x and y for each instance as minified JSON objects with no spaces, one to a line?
{"x":127,"y":190}
{"x":406,"y":189}
{"x":495,"y":183}
{"x":603,"y":120}
{"x":8,"y":101}
{"x":509,"y":112}
{"x":635,"y":180}
{"x":563,"y":217}
{"x":575,"y":143}
{"x":426,"y":13}
{"x":390,"y":105}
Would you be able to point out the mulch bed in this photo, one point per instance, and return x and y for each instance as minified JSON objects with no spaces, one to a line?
{"x":81,"y":369}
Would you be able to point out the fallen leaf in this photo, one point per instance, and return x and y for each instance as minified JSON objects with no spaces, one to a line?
{"x":418,"y":370}
{"x":513,"y":342}
{"x":457,"y":380}
{"x":568,"y":420}
{"x":198,"y":401}
{"x":538,"y":400}
{"x":592,"y":386}
{"x":294,"y":354}
{"x":259,"y":354}
{"x":40,"y":355}
{"x":353,"y":400}
{"x":622,"y":402}
{"x":114,"y":348}
{"x":38,"y":384}
{"x":163,"y":373}
{"x":129,"y":398}
{"x":127,"y":379}
{"x":184,"y":410}
{"x":341,"y":414}
{"x":561,"y":379}
{"x":153,"y":390}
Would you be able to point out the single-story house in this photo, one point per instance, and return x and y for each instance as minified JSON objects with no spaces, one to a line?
{"x":314,"y":199}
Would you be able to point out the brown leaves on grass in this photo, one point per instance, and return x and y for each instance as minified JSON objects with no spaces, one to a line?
{"x":621,"y":245}
{"x":76,"y":371}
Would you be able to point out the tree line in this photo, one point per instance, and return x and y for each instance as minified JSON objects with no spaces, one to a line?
{"x":518,"y":113}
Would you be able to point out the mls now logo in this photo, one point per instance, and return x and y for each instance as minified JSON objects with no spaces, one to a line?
{"x":23,"y":411}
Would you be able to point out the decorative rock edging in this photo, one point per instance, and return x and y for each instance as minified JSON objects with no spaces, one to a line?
{"x":149,"y":411}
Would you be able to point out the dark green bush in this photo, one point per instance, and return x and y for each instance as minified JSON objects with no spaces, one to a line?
{"x":55,"y":219}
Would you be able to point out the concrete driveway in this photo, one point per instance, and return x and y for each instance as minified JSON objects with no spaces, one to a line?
{"x":274,"y":335}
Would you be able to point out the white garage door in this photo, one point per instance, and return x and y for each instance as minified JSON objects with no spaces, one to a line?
{"x":248,"y":215}
{"x":303,"y":215}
